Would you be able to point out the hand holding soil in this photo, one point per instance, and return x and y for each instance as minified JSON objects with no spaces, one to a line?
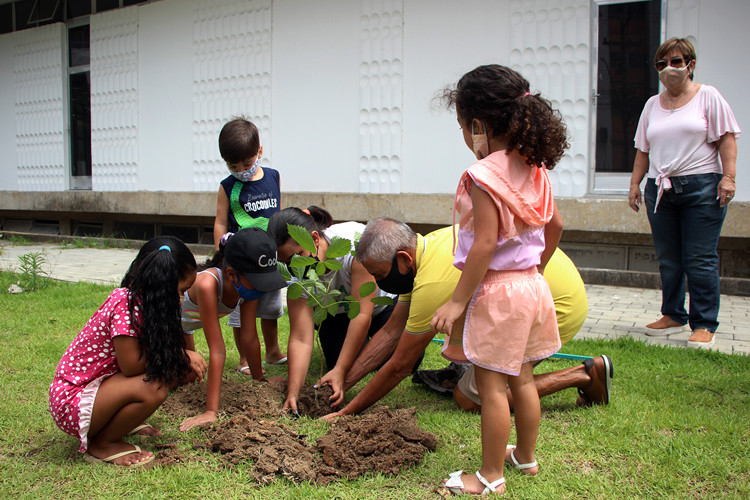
{"x":335,"y":380}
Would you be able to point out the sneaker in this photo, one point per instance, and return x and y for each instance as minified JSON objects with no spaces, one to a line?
{"x":601,"y":371}
{"x":443,"y":380}
{"x":663,"y":326}
{"x":701,"y":339}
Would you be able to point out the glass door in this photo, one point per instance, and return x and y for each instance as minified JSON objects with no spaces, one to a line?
{"x":627,"y":36}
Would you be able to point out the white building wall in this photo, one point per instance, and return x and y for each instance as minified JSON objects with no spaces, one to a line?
{"x":316,"y":94}
{"x":231,"y":56}
{"x":39,"y":110}
{"x":114,"y":100}
{"x":8,"y":160}
{"x":342,"y":91}
{"x":165,"y":90}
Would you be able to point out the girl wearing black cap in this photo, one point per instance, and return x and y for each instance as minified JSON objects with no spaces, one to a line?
{"x":239,"y":274}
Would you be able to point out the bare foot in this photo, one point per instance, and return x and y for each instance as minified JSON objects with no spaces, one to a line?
{"x":103,"y":451}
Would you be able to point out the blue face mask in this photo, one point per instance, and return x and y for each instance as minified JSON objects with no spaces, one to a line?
{"x":247,"y":174}
{"x":248,"y":294}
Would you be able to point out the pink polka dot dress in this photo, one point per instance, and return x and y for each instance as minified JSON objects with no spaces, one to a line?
{"x":89,"y":360}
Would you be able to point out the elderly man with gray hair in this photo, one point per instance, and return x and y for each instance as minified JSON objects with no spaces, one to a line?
{"x":420,"y":269}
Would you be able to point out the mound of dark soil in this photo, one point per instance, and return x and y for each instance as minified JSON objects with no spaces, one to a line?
{"x":275,"y":449}
{"x":382,"y":440}
{"x":251,"y":397}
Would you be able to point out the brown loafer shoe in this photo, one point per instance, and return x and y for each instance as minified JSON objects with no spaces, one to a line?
{"x":601,"y":371}
{"x":701,"y":339}
{"x":663,"y":326}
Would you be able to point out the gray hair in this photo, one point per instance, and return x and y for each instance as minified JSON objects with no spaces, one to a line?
{"x":382,"y":238}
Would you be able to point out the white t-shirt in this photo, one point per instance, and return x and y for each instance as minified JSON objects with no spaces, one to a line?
{"x":343,"y":277}
{"x":683,"y":141}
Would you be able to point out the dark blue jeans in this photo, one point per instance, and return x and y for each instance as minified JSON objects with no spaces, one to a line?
{"x":686,"y":229}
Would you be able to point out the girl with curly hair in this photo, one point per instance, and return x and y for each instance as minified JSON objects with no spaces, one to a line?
{"x":501,"y":317}
{"x":121,"y":366}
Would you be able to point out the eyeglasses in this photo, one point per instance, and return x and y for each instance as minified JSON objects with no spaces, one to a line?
{"x":675,"y":62}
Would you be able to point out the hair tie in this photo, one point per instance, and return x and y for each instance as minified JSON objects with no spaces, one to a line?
{"x":306,"y":211}
{"x":165,"y":247}
{"x":527,"y":93}
{"x":225,"y":238}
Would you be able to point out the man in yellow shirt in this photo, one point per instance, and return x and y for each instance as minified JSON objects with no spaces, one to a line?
{"x":420,"y":268}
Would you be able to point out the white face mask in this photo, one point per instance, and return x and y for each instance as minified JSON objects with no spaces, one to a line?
{"x":672,"y":77}
{"x":479,"y":142}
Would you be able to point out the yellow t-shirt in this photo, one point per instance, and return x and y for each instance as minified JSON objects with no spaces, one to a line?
{"x":569,"y":294}
{"x":436,"y":278}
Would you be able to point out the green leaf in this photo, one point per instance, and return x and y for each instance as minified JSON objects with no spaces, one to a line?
{"x":319,"y":315}
{"x":338,"y":247}
{"x":320,"y":268}
{"x":298,"y":264}
{"x":366,"y":288}
{"x":284,"y":270}
{"x":383,"y":301}
{"x":333,"y":264}
{"x":294,"y":291}
{"x":300,"y":261}
{"x":333,"y":308}
{"x":302,"y":236}
{"x":355,"y":244}
{"x":353,"y":310}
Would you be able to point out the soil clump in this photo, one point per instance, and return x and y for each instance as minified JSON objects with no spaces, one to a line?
{"x":383,"y":440}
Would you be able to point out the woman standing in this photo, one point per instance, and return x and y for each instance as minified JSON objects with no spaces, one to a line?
{"x":686,"y":143}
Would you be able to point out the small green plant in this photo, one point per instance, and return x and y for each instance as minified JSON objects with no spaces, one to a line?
{"x":32,"y":269}
{"x":307,"y":271}
{"x":97,"y":242}
{"x":17,"y":239}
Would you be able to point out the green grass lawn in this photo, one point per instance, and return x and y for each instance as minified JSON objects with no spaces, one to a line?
{"x":678,"y":425}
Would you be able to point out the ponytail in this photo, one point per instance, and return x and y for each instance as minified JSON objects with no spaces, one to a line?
{"x":311,"y":218}
{"x":154,"y":306}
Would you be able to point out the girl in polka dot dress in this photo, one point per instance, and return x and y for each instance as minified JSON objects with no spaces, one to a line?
{"x":120,"y":367}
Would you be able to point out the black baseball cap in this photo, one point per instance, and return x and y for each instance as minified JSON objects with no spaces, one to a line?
{"x":252,"y":253}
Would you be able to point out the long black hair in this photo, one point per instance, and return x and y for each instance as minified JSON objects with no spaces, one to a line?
{"x":154,"y":305}
{"x":500,"y":97}
{"x":311,"y":218}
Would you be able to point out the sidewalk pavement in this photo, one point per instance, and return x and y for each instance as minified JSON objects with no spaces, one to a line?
{"x":614,"y":312}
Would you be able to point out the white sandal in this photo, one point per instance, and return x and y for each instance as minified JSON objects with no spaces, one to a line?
{"x":456,"y":485}
{"x":514,"y":463}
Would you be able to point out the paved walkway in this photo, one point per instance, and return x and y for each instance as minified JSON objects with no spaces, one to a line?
{"x":614,"y":312}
